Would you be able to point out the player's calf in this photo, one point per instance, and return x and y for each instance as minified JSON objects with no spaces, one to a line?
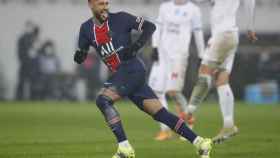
{"x":160,"y":114}
{"x":174,"y":123}
{"x":201,"y":89}
{"x":203,"y":146}
{"x":105,"y":105}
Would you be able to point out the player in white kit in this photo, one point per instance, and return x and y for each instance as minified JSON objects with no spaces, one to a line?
{"x":218,"y":60}
{"x":176,"y":22}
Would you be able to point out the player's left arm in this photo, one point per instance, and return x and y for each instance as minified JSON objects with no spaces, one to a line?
{"x":250,"y":15}
{"x":146,"y":28}
{"x":198,"y":32}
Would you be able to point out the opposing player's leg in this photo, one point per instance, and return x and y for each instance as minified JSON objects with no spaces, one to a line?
{"x":201,"y":88}
{"x":219,"y":49}
{"x":226,"y":101}
{"x":146,"y":100}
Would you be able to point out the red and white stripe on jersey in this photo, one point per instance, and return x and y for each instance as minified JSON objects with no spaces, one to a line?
{"x":108,"y":52}
{"x":113,"y":61}
{"x":101,"y":33}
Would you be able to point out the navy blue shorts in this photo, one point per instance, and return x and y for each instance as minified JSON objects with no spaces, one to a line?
{"x":130,"y":81}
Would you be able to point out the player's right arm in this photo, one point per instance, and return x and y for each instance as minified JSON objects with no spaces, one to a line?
{"x":250,"y":14}
{"x":83,"y":46}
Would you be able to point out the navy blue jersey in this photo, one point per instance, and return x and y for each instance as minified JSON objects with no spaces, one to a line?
{"x":109,"y":38}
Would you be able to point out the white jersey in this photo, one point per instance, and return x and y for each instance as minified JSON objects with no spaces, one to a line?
{"x":175,"y":24}
{"x":223,"y":15}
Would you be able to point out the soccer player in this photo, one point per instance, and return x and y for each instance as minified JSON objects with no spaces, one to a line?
{"x":109,"y":34}
{"x":218,"y":60}
{"x":176,"y":21}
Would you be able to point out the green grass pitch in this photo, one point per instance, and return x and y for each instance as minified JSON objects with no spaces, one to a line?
{"x":77,"y":130}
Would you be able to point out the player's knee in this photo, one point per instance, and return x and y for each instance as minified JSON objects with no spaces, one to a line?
{"x":105,"y":105}
{"x":103,"y":101}
{"x":222,"y":79}
{"x":110,"y":92}
{"x":205,"y":81}
{"x":208,"y":67}
{"x":221,"y":82}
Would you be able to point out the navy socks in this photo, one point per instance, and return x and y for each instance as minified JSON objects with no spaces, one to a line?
{"x":173,"y":122}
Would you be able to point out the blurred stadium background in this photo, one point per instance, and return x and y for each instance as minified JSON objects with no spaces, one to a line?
{"x":30,"y":127}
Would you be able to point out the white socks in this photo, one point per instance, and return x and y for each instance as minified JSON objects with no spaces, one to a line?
{"x":162,"y":99}
{"x":124,"y":144}
{"x":226,"y":100}
{"x":197,"y":141}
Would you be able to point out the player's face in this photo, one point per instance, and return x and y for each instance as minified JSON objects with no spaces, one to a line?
{"x":100,"y":9}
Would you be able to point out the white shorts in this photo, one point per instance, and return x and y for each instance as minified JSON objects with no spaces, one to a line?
{"x":221,"y":49}
{"x":168,"y":75}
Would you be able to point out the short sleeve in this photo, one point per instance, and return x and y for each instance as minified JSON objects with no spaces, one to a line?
{"x":133,"y":22}
{"x":196,"y":19}
{"x":83,"y":42}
